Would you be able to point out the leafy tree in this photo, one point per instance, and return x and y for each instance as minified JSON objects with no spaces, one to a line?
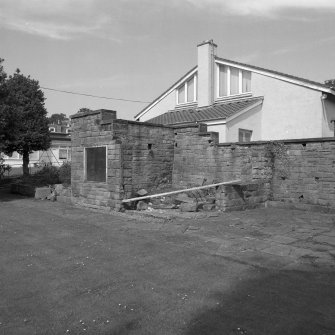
{"x":57,"y":118}
{"x":2,"y":94}
{"x":84,"y":110}
{"x":23,"y":116}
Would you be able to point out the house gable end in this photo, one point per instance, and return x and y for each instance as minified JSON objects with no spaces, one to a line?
{"x":277,"y":75}
{"x":173,"y":87}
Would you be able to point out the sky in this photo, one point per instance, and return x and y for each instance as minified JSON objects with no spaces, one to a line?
{"x":136,"y":49}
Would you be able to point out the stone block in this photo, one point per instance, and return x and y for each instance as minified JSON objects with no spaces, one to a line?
{"x":141,"y":205}
{"x":208,"y":207}
{"x":188,"y":207}
{"x":58,"y":189}
{"x":42,"y":192}
{"x":142,"y":192}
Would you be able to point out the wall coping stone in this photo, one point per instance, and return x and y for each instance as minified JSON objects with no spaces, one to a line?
{"x":98,"y":111}
{"x":135,"y":123}
{"x":298,"y":140}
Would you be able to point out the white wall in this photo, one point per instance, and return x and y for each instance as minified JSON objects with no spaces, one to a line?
{"x":165,"y":105}
{"x":250,"y":120}
{"x":289,"y":111}
{"x":328,"y":115}
{"x":219,"y":128}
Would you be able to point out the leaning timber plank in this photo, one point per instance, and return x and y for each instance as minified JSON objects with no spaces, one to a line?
{"x":232,"y":182}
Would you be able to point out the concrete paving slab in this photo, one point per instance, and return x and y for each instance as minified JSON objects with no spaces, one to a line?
{"x":325,"y":239}
{"x":278,"y":250}
{"x":329,"y":233}
{"x":283,"y":239}
{"x":286,"y":251}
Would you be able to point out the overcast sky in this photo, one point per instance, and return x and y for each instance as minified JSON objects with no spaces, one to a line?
{"x":135,"y":49}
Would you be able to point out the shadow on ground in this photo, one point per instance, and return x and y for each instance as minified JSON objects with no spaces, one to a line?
{"x":6,"y":195}
{"x":286,"y":302}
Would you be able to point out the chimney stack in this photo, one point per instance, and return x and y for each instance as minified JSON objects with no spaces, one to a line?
{"x":206,"y":55}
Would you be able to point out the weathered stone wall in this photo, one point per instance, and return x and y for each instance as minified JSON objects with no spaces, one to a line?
{"x":138,"y":156}
{"x":199,"y":159}
{"x":141,"y":155}
{"x":87,"y":133}
{"x":309,"y":176}
{"x":147,"y":155}
{"x":297,"y":172}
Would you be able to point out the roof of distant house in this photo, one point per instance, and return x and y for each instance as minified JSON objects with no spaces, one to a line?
{"x":220,"y":111}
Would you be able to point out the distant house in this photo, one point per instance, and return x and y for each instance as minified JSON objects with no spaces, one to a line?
{"x":63,"y":126}
{"x":58,"y":153}
{"x":244,"y":102}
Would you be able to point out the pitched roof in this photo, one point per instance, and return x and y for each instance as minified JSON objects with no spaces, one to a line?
{"x":214,"y":112}
{"x":169,"y":90}
{"x":280,"y":75}
{"x":275,"y":74}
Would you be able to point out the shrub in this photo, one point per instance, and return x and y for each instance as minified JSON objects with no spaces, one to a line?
{"x":48,"y":175}
{"x":3,"y":167}
{"x":65,"y":173}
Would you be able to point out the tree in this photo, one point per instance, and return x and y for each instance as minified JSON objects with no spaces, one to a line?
{"x":23,"y":115}
{"x":84,"y":110}
{"x":57,"y":118}
{"x":2,"y":94}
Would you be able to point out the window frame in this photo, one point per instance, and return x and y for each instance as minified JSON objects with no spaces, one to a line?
{"x":85,"y":164}
{"x":185,"y":86}
{"x":240,"y":82}
{"x":244,"y":131}
{"x":63,"y":150}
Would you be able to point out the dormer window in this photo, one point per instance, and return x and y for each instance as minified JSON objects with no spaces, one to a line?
{"x":187,"y":92}
{"x":233,"y":81}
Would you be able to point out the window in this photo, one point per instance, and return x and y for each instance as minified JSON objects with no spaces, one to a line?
{"x":13,"y":155}
{"x":96,"y":164}
{"x":62,"y":154}
{"x":52,"y":129}
{"x":244,"y":135}
{"x":34,"y":156}
{"x":187,"y":92}
{"x":233,"y":81}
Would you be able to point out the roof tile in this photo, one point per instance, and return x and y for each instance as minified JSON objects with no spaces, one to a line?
{"x":213,"y":112}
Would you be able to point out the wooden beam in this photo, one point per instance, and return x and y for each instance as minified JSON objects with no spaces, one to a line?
{"x":232,"y":182}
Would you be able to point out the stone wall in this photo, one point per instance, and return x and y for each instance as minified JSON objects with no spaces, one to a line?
{"x":200,"y":160}
{"x":296,"y":172}
{"x":138,"y":156}
{"x":88,"y":133}
{"x":142,"y":155}
{"x":310,"y":176}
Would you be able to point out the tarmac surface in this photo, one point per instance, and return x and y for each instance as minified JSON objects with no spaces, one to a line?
{"x":68,"y":270}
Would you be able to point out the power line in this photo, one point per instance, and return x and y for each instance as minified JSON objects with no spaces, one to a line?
{"x":94,"y":96}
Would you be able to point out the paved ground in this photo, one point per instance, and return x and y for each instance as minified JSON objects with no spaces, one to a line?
{"x":65,"y":270}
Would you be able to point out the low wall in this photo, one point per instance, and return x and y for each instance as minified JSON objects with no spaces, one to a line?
{"x":199,"y":160}
{"x":310,"y":177}
{"x":295,"y":172}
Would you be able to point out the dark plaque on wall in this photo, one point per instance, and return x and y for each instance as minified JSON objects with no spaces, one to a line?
{"x":96,"y":164}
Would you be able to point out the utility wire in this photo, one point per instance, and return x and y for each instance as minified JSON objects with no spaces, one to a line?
{"x":94,"y":96}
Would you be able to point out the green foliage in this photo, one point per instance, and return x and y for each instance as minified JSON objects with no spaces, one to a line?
{"x":3,"y":167}
{"x":57,"y":118}
{"x":84,"y":110}
{"x":65,"y":173}
{"x":48,"y":175}
{"x":2,"y":94}
{"x":279,"y":158}
{"x":23,"y":118}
